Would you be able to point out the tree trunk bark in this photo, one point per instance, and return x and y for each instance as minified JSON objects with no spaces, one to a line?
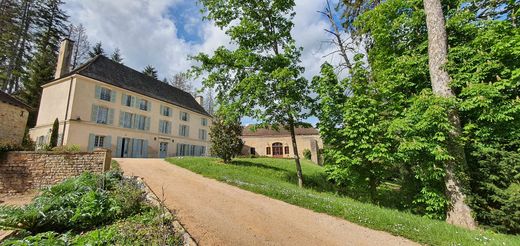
{"x":295,"y":152}
{"x":459,"y":212}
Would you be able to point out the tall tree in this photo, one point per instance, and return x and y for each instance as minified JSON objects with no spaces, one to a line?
{"x":116,"y":56}
{"x":262,"y":77}
{"x":181,"y":81}
{"x":459,"y":212}
{"x":150,"y":71}
{"x":80,"y":51}
{"x":97,"y":49}
{"x":43,"y":65}
{"x":209,"y":102}
{"x":54,"y":133}
{"x":225,"y":138}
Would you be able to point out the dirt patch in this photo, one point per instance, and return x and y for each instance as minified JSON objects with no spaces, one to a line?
{"x":18,"y":199}
{"x":220,"y":214}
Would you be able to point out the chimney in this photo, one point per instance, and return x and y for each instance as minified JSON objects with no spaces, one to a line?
{"x":199,"y":100}
{"x":64,"y":57}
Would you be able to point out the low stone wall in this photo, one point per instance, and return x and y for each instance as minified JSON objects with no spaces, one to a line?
{"x":21,"y":171}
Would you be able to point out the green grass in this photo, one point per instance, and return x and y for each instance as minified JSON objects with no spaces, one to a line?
{"x":276,"y":178}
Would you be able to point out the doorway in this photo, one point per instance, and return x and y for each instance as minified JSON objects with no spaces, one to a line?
{"x":163,"y":150}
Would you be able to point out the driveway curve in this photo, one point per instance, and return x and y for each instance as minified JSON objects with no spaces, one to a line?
{"x":215,"y":213}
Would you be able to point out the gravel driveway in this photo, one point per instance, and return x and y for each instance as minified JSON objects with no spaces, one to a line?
{"x":216,"y":213}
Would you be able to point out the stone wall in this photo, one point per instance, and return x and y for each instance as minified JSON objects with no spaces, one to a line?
{"x":12,"y":124}
{"x":22,"y":171}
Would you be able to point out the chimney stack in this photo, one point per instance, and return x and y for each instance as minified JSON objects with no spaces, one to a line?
{"x":199,"y":100}
{"x":63,"y":65}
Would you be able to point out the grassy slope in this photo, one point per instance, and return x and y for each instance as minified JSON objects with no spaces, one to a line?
{"x":276,"y":178}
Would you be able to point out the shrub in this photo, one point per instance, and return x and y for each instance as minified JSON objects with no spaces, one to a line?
{"x":77,"y":204}
{"x":67,"y":148}
{"x":307,"y":154}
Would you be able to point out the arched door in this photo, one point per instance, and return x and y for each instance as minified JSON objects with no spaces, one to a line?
{"x":277,"y":150}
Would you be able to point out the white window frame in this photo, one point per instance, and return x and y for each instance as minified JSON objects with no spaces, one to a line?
{"x":99,"y":141}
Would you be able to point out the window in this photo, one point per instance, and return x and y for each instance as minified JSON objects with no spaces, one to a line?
{"x":204,"y":122}
{"x":106,"y":94}
{"x":165,"y":127}
{"x":166,"y":111}
{"x":99,"y":141}
{"x":190,"y":150}
{"x":40,"y":141}
{"x":102,"y":115}
{"x":286,"y":149}
{"x":128,"y":100}
{"x":144,"y":105}
{"x":203,"y":135}
{"x":268,"y":150}
{"x":185,"y":116}
{"x":184,"y":131}
{"x":140,"y":122}
{"x":252,"y":151}
{"x":126,"y":120}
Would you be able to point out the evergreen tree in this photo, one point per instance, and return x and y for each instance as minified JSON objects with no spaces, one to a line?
{"x":54,"y":134}
{"x":97,"y":49}
{"x":225,"y":138}
{"x":150,"y":71}
{"x":116,"y":56}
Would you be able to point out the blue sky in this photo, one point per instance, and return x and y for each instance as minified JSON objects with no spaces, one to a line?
{"x":164,"y":33}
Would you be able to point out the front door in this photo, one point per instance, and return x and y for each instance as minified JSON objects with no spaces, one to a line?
{"x":163,"y":150}
{"x":277,"y":150}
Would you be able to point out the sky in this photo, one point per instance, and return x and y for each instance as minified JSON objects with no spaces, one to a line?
{"x":164,"y":33}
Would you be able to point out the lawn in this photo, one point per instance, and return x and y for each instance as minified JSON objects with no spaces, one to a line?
{"x":276,"y":178}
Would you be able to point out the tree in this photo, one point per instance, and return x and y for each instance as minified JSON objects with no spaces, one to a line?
{"x":459,"y":212}
{"x":80,"y":51}
{"x":181,"y":81}
{"x":150,"y":71}
{"x":209,"y":102}
{"x":116,"y":56}
{"x":54,"y":134}
{"x":97,"y":49}
{"x":225,"y":138}
{"x":261,"y":78}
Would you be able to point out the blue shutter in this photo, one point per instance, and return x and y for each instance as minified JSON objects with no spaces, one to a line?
{"x":110,"y":120}
{"x":169,"y":125}
{"x":135,"y":119}
{"x":136,"y":148}
{"x":145,"y":148}
{"x":112,"y":96}
{"x":121,"y":118}
{"x":161,"y":126}
{"x":118,"y":147}
{"x":137,"y":103}
{"x":107,"y":144}
{"x":123,"y":99}
{"x":146,"y":123}
{"x":98,"y":92}
{"x":132,"y":101}
{"x":93,"y":116}
{"x":91,"y":139}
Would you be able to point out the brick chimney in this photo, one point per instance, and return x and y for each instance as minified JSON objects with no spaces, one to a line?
{"x":199,"y":100}
{"x":63,"y":65}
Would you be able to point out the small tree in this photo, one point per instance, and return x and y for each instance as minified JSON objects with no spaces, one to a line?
{"x":54,"y":133}
{"x":150,"y":71}
{"x":225,"y":138}
{"x":97,"y":49}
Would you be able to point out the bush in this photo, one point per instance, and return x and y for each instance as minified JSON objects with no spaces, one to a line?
{"x":67,"y":148}
{"x":77,"y":204}
{"x":307,"y":154}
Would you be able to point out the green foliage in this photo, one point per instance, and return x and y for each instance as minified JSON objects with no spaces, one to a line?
{"x":76,"y":204}
{"x":225,"y":139}
{"x":307,"y":154}
{"x":54,"y":133}
{"x":150,"y":71}
{"x":97,"y":49}
{"x":67,"y":148}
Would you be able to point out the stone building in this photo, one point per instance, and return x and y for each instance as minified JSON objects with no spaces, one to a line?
{"x":278,"y":144}
{"x":106,"y":104}
{"x":13,"y":119}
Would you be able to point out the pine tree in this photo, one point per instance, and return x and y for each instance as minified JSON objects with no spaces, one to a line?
{"x":116,"y":56}
{"x":97,"y":49}
{"x":150,"y":71}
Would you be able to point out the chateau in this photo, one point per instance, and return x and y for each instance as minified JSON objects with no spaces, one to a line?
{"x":104,"y":104}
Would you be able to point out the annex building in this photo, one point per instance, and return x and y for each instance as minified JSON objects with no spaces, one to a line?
{"x":106,"y":104}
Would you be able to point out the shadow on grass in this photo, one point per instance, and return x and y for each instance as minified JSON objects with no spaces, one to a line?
{"x":259,"y":165}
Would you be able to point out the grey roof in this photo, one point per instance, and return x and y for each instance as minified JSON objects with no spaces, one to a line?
{"x":105,"y":70}
{"x":263,"y":132}
{"x":6,"y":98}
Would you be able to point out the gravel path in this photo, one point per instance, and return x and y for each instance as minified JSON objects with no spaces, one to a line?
{"x":216,"y":213}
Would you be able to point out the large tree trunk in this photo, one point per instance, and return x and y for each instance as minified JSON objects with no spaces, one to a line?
{"x":459,"y":212}
{"x":296,"y":155}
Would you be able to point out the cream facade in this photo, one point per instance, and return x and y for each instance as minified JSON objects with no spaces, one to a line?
{"x":104,"y":104}
{"x":280,"y":145}
{"x":72,"y":100}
